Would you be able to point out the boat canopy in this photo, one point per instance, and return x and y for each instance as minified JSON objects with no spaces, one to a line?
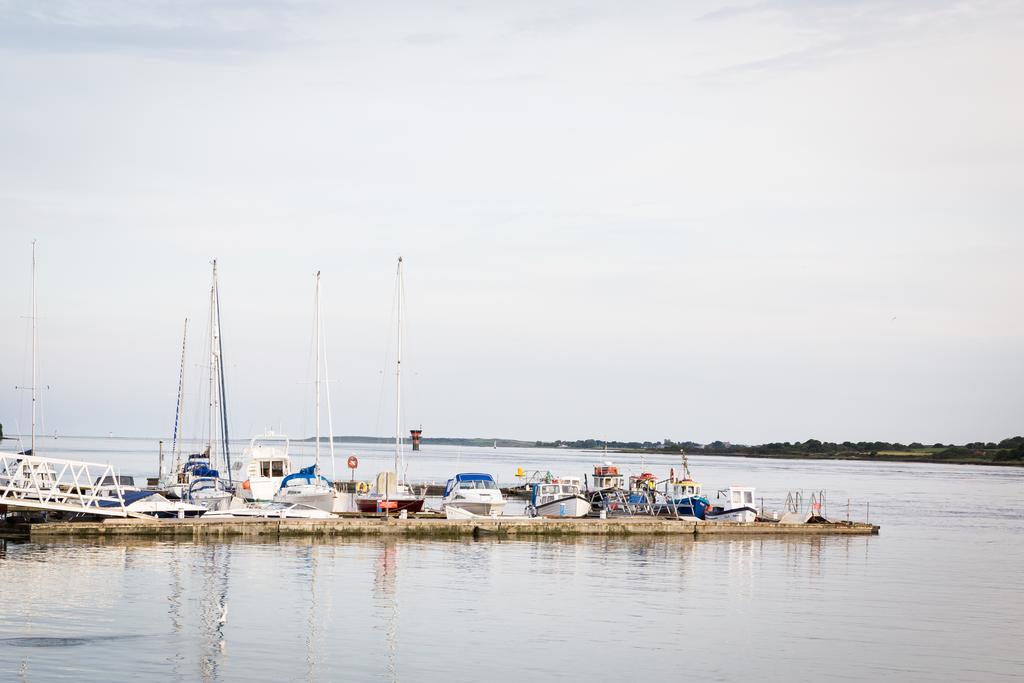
{"x":204,"y":471}
{"x":308,"y":474}
{"x":129,"y":497}
{"x":466,"y":476}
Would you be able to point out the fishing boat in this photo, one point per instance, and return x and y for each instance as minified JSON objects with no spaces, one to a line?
{"x":396,"y":493}
{"x":684,"y":494}
{"x":308,"y":486}
{"x":607,"y":476}
{"x":561,"y":497}
{"x":474,"y":493}
{"x":732,"y":504}
{"x":268,"y":465}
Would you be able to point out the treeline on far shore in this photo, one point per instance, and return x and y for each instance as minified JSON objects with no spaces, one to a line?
{"x":1008,"y":451}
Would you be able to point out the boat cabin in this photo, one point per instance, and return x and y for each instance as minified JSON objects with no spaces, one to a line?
{"x":735,"y":497}
{"x":556,"y":489}
{"x":685,"y":488}
{"x":607,"y":476}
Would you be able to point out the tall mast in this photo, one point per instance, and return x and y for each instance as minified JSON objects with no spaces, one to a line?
{"x":213,"y":364}
{"x":178,"y":424}
{"x":223,"y":396}
{"x":398,"y":382}
{"x":35,"y":350}
{"x":316,"y":327}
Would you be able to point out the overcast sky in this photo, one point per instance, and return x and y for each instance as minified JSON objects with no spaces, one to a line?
{"x":750,"y":222}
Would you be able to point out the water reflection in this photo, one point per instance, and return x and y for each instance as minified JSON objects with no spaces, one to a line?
{"x":265,"y":610}
{"x":385,"y":591}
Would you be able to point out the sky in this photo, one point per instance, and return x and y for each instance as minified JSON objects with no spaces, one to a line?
{"x":749,"y":222}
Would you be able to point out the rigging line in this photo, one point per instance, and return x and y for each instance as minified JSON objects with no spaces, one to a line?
{"x":327,"y":388}
{"x":387,"y":361}
{"x":175,"y":442}
{"x":223,"y":390}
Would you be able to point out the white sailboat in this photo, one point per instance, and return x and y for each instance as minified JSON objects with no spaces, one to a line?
{"x":206,"y":486}
{"x":308,"y":486}
{"x":395,"y":494}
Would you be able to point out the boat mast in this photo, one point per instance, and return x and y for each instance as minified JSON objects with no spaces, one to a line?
{"x":35,"y":351}
{"x":175,"y":443}
{"x":398,"y":382}
{"x":223,"y":391}
{"x":316,"y":327}
{"x":213,"y":364}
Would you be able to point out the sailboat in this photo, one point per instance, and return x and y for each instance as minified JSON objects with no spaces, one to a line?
{"x":205,"y":485}
{"x":308,"y":486}
{"x":390,"y":490}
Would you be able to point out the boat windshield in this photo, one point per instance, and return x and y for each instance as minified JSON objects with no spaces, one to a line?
{"x":477,"y":485}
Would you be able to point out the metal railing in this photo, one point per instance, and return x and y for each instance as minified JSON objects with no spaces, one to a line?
{"x":41,"y":483}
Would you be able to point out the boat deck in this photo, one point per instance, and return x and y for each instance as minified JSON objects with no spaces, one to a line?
{"x":423,"y":527}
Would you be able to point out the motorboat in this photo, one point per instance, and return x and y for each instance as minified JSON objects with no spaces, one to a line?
{"x":684,"y":494}
{"x":308,"y":487}
{"x":561,"y":497}
{"x":475,"y":493}
{"x":272,"y":511}
{"x":117,"y":489}
{"x":732,"y":504}
{"x":387,"y":493}
{"x":268,"y":465}
{"x":206,"y":488}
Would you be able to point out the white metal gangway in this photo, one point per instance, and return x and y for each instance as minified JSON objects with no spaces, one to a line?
{"x":41,"y":483}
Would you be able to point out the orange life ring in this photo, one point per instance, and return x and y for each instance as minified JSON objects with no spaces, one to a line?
{"x":245,"y":484}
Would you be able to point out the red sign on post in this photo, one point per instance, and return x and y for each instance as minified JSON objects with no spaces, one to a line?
{"x":387,"y":504}
{"x":353,"y":462}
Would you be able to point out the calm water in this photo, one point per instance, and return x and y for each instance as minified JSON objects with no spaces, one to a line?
{"x":938,"y":595}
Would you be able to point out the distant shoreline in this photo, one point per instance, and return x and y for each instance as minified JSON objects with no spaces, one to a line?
{"x":865,"y":457}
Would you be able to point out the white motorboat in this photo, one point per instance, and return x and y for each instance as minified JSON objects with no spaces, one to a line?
{"x":732,"y":504}
{"x":210,"y":491}
{"x":272,"y":511}
{"x":562,"y":497}
{"x":117,"y":488}
{"x":268,"y":465}
{"x":475,"y":493}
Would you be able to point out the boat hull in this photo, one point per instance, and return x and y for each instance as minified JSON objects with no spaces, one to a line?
{"x":319,"y":497}
{"x":741,"y":514}
{"x":571,"y":506}
{"x":479,"y":508}
{"x":411,"y":504}
{"x":262,"y":490}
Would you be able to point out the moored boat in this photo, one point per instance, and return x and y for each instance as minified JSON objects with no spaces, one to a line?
{"x":391,"y":491}
{"x":268,"y":465}
{"x":308,"y":487}
{"x":474,"y":492}
{"x":732,"y":504}
{"x":387,"y":493}
{"x":561,"y":497}
{"x":684,"y":494}
{"x":272,"y":511}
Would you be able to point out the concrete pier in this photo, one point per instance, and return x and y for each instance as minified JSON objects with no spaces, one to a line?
{"x":424,"y":528}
